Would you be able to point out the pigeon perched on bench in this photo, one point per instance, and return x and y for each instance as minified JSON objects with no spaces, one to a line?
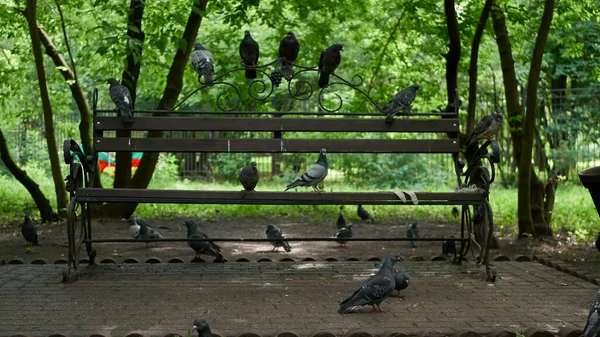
{"x":202,"y":62}
{"x":402,"y":279}
{"x":329,"y":60}
{"x":363,"y":214}
{"x":121,"y":96}
{"x":289,"y":47}
{"x":592,"y":326}
{"x":486,"y":128}
{"x":202,"y":247}
{"x":344,"y":233}
{"x":276,"y":233}
{"x":402,"y":100}
{"x":249,"y":176}
{"x":249,"y":52}
{"x":375,"y":290}
{"x":315,"y":174}
{"x":413,"y":234}
{"x":201,"y":326}
{"x":29,"y":231}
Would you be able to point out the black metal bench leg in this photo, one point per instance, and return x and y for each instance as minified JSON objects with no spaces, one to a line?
{"x":88,"y":233}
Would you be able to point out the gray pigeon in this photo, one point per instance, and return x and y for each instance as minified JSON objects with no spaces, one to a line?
{"x":29,"y":231}
{"x":201,"y":326}
{"x":328,"y":62}
{"x":202,"y":247}
{"x":344,"y":233}
{"x":202,"y":62}
{"x":592,"y":327}
{"x":276,"y":233}
{"x":341,"y":221}
{"x":289,"y":47}
{"x":402,"y":100}
{"x":249,"y":176}
{"x":121,"y":96}
{"x":146,"y":231}
{"x":249,"y":52}
{"x":363,"y":214}
{"x":402,"y":279}
{"x":375,"y":290}
{"x":487,"y":127}
{"x":314,"y":175}
{"x":449,"y":247}
{"x":413,"y":234}
{"x":134,"y":229}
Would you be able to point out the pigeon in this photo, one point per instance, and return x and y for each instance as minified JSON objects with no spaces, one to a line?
{"x":249,"y":176}
{"x":201,"y":326}
{"x":341,"y":221}
{"x":375,"y":290}
{"x":289,"y":47}
{"x":276,"y":233}
{"x":402,"y":100}
{"x":314,"y":175}
{"x":249,"y":52}
{"x":413,"y":233}
{"x":592,"y":326}
{"x":455,"y":212}
{"x":487,"y":127}
{"x":598,"y":242}
{"x":203,"y":64}
{"x":202,"y":247}
{"x":29,"y":231}
{"x":146,"y":231}
{"x":134,"y":229}
{"x":363,"y":214}
{"x":449,"y":247}
{"x":402,"y":279}
{"x":330,"y":59}
{"x":121,"y":96}
{"x":344,"y":233}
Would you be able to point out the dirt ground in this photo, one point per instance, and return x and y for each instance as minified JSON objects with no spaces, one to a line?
{"x":53,"y":241}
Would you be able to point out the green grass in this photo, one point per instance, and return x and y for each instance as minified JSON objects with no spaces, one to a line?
{"x":574,"y":210}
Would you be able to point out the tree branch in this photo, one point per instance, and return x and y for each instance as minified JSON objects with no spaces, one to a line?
{"x":64,"y":30}
{"x":383,"y":50}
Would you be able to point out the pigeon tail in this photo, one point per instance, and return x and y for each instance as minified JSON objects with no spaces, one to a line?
{"x":126,"y":115}
{"x":286,"y":246}
{"x":351,"y":303}
{"x":296,"y":183}
{"x":390,"y":117}
{"x":323,"y":79}
{"x":207,"y":74}
{"x":250,"y":74}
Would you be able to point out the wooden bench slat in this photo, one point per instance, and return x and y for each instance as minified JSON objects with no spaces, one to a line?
{"x":275,"y":145}
{"x":278,"y":124}
{"x":269,"y":198}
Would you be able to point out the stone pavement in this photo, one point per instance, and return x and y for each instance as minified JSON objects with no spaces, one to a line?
{"x":272,"y":297}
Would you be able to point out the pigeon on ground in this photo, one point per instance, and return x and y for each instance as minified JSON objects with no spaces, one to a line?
{"x":363,"y":214}
{"x":455,"y":212}
{"x":375,"y":290}
{"x":289,"y":47}
{"x":402,"y":279}
{"x":201,"y":326}
{"x":449,"y":247}
{"x":276,"y":233}
{"x":249,"y":176}
{"x":146,"y":231}
{"x":402,"y":100}
{"x":249,"y":52}
{"x":202,"y":247}
{"x":134,"y":229}
{"x":203,"y":64}
{"x":29,"y":231}
{"x":592,"y":327}
{"x":341,"y":220}
{"x":413,"y":234}
{"x":487,"y":127}
{"x":329,"y":61}
{"x":344,"y":233}
{"x":121,"y":96}
{"x":314,"y":175}
{"x":598,"y":242}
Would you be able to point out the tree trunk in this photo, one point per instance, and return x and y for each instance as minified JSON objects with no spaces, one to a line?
{"x":453,"y":55}
{"x":531,"y":189}
{"x":85,"y":125}
{"x":473,"y":65}
{"x":59,"y":185}
{"x":42,"y":203}
{"x":173,"y":87}
{"x":130,"y":79}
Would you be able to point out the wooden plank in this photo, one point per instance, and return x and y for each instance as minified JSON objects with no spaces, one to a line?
{"x":275,"y":145}
{"x":279,"y":124}
{"x":270,"y":198}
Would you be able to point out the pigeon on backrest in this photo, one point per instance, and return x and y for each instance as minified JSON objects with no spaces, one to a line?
{"x":249,"y":52}
{"x":402,"y":100}
{"x":592,"y":328}
{"x":201,"y":326}
{"x":314,"y":175}
{"x":249,"y":176}
{"x":289,"y":47}
{"x":121,"y":96}
{"x":202,"y":62}
{"x":29,"y":231}
{"x":202,"y":247}
{"x":486,"y":128}
{"x":276,"y":233}
{"x":329,"y":60}
{"x":413,"y":234}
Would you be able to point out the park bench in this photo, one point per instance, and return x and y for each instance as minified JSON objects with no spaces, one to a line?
{"x":82,"y":193}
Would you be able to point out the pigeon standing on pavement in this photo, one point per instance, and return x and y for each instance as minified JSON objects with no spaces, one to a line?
{"x":487,"y":127}
{"x":363,"y":214}
{"x":413,"y":234}
{"x":592,"y":327}
{"x":201,"y":326}
{"x":29,"y":231}
{"x":276,"y":233}
{"x":249,"y":52}
{"x":314,"y":175}
{"x":344,"y":233}
{"x":121,"y":96}
{"x":402,"y":279}
{"x":249,"y":176}
{"x":449,"y":247}
{"x":289,"y":47}
{"x":328,"y":62}
{"x":203,"y":64}
{"x":341,"y":220}
{"x":402,"y":100}
{"x":202,"y":247}
{"x":134,"y":229}
{"x":146,"y":231}
{"x":375,"y":290}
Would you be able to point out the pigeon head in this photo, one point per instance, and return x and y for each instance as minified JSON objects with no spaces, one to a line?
{"x":337,"y":47}
{"x":270,"y":227}
{"x":253,"y":164}
{"x":198,"y":46}
{"x":414,"y":87}
{"x":413,"y":225}
{"x":247,"y":33}
{"x":134,"y":220}
{"x":290,"y":34}
{"x":190,"y":224}
{"x":391,"y":259}
{"x":322,"y":160}
{"x":112,"y":81}
{"x":200,"y":325}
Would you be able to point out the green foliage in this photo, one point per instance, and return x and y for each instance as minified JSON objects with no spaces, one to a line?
{"x":227,"y":165}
